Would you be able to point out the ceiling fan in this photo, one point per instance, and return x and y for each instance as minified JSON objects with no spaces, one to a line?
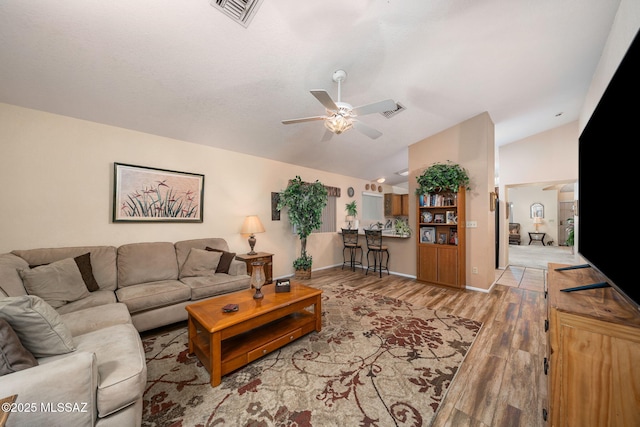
{"x":341,"y":116}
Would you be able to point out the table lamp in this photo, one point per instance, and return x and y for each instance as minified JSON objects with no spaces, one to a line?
{"x":537,"y":221}
{"x":251,"y":226}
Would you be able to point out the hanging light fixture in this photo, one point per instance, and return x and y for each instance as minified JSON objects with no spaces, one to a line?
{"x":337,"y":123}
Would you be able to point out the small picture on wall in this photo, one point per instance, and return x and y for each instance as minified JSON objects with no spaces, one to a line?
{"x":275,"y":213}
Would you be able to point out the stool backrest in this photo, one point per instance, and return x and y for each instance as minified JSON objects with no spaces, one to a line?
{"x":350,"y":236}
{"x":374,"y":238}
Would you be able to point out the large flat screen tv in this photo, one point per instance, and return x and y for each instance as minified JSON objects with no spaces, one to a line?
{"x":609,"y":181}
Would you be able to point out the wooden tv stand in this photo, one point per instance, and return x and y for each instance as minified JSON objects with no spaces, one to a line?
{"x":224,"y":342}
{"x":593,"y":358}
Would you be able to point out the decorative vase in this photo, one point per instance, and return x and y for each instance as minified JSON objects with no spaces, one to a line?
{"x":257,"y":278}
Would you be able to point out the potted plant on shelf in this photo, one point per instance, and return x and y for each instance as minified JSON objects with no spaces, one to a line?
{"x":304,"y":202}
{"x":442,"y":177}
{"x":352,"y":213}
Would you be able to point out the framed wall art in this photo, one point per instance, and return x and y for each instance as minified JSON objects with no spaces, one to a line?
{"x":144,"y":194}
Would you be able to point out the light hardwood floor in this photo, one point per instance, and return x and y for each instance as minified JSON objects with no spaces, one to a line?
{"x":501,"y":382}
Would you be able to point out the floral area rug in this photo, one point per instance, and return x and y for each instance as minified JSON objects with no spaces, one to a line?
{"x":378,"y":361}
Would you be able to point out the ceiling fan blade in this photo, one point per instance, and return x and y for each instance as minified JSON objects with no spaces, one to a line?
{"x":325,"y":99}
{"x":367,"y":130}
{"x":376,"y":107}
{"x":304,"y":119}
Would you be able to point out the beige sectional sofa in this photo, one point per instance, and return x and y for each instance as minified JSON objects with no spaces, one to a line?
{"x":70,"y":320}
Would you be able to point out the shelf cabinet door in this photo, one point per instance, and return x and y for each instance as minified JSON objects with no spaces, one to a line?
{"x":428,"y":263}
{"x":438,"y":264}
{"x":448,"y":265}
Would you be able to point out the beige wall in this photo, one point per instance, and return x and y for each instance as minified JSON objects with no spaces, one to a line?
{"x":471,"y":144}
{"x":548,"y":157}
{"x":57,"y":175}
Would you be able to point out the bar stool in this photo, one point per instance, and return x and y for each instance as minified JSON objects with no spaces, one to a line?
{"x":377,"y":249}
{"x":350,"y":242}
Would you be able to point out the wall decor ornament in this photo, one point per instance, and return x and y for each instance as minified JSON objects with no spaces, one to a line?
{"x":145,"y":194}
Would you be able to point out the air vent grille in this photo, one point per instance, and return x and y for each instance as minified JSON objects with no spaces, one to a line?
{"x":241,"y":11}
{"x":399,"y":108}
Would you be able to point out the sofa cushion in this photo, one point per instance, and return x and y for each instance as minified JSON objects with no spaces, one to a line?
{"x":200,"y":263}
{"x":122,"y":370}
{"x":10,"y":279}
{"x":37,"y":324}
{"x":153,"y":295}
{"x":93,"y":318}
{"x":205,"y":287}
{"x":13,"y":356}
{"x":184,"y":247}
{"x":146,"y":262}
{"x":57,"y":283}
{"x":225,"y":260}
{"x":95,"y":299}
{"x":103,"y":260}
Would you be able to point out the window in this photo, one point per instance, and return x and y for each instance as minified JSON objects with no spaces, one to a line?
{"x":372,"y":207}
{"x":328,"y":216}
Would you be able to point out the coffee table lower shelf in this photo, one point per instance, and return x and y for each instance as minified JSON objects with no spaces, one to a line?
{"x":240,"y":350}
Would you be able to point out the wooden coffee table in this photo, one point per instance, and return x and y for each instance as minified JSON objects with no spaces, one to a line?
{"x":224,"y":342}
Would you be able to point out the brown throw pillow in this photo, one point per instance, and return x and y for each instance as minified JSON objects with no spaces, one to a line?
{"x":84,"y":265}
{"x":13,"y":356}
{"x":225,"y":260}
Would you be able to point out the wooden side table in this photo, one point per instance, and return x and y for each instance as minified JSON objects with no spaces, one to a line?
{"x":537,"y":237}
{"x":260,"y":256}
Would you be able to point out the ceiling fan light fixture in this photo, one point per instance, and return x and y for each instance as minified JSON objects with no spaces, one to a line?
{"x":337,"y":124}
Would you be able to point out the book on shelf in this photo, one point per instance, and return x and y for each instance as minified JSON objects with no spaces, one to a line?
{"x":437,"y":199}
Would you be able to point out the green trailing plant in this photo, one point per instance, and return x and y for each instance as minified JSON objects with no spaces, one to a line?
{"x":402,"y":227}
{"x":304,"y":202}
{"x":438,"y":177}
{"x":352,"y":209}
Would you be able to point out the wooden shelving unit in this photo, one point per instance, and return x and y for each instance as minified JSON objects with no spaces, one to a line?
{"x":441,"y":241}
{"x":593,"y":353}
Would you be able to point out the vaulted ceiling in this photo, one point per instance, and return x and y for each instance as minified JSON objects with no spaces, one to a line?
{"x":185,"y":70}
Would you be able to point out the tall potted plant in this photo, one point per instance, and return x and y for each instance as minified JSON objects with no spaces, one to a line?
{"x":304,"y":202}
{"x":442,"y":177}
{"x":352,"y":213}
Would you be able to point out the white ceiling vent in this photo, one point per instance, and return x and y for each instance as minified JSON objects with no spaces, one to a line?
{"x":399,"y":108}
{"x":241,"y":11}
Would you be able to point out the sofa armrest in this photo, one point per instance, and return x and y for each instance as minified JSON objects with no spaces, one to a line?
{"x":60,"y":392}
{"x":237,"y":268}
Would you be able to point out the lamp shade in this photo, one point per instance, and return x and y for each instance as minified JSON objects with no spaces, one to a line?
{"x":537,"y":220}
{"x":337,"y":124}
{"x":252,"y":225}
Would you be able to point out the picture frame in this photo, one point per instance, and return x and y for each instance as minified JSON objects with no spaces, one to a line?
{"x":451,"y":217}
{"x":427,"y":235}
{"x":275,"y":199}
{"x":453,"y":236}
{"x":427,"y":217}
{"x":146,"y":194}
{"x":537,"y":210}
{"x":438,"y":218}
{"x":442,"y":239}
